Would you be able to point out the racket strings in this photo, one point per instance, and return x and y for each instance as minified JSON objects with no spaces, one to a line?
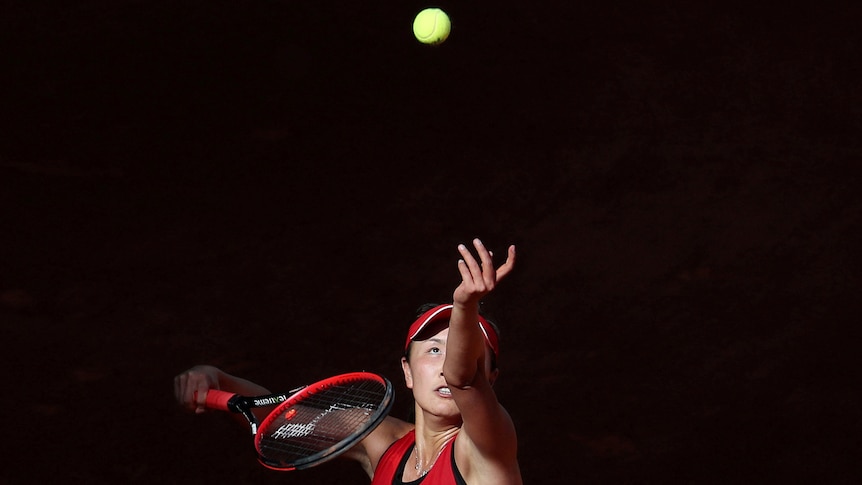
{"x":320,"y":420}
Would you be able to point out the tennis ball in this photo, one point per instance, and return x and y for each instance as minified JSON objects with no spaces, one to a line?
{"x":431,"y":26}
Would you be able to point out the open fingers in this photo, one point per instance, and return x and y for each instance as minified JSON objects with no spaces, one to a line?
{"x":470,"y":269}
{"x":507,"y":267}
{"x":486,"y":258}
{"x":483,"y":271}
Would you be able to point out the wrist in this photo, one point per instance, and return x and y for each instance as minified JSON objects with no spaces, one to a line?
{"x":466,"y":305}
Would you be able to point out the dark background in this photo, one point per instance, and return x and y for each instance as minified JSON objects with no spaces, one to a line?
{"x":273,"y":187}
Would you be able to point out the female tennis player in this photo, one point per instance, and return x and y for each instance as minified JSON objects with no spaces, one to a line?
{"x":462,"y":434}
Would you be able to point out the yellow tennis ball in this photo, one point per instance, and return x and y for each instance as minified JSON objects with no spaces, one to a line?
{"x":431,"y":26}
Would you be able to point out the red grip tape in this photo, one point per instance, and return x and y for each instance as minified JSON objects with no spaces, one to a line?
{"x":218,"y":399}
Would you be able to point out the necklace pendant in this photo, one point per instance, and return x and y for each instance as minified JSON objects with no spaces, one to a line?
{"x":419,"y":469}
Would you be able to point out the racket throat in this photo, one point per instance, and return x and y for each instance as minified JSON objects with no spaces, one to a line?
{"x":252,"y":420}
{"x":238,"y":405}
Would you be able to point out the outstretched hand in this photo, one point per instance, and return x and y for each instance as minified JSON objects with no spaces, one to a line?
{"x":478,"y":278}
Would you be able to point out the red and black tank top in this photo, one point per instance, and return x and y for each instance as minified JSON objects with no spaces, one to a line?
{"x":390,"y":469}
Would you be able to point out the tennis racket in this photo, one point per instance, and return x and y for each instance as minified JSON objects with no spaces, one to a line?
{"x":315,"y":423}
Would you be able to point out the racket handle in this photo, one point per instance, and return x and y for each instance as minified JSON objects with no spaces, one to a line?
{"x":217,"y":399}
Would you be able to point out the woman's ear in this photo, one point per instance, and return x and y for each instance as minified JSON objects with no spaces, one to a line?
{"x":493,"y":376}
{"x":408,"y":376}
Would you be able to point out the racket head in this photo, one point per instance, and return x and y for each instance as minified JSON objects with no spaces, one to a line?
{"x":323,"y":420}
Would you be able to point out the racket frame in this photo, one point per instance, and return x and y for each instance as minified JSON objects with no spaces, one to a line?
{"x":243,"y":405}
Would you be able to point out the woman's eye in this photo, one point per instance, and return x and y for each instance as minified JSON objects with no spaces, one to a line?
{"x":434,"y":350}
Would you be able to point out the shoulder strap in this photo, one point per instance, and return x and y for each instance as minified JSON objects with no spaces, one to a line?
{"x":388,"y":464}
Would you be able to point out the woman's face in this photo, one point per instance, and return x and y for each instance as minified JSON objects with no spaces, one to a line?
{"x":423,"y":373}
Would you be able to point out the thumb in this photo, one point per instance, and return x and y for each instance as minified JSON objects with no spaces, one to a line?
{"x":199,"y":401}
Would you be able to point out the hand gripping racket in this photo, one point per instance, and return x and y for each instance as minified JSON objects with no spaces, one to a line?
{"x":314,"y":424}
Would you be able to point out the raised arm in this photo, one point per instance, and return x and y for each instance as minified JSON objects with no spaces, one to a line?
{"x":465,"y":353}
{"x":487,"y":442}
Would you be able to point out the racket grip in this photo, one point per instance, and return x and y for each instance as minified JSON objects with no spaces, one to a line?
{"x":217,"y":399}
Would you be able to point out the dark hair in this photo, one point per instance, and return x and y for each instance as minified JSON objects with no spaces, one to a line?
{"x":427,"y":306}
